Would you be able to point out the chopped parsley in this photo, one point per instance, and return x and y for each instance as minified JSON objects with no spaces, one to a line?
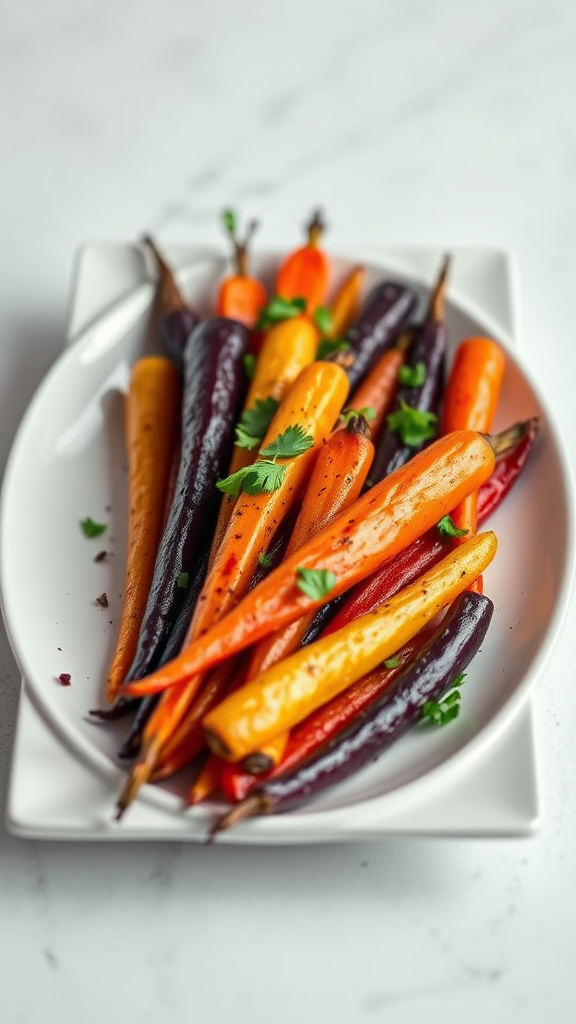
{"x":292,"y":442}
{"x":447,"y":527}
{"x":446,"y":709}
{"x":412,"y":376}
{"x":254,"y":423}
{"x":262,"y":476}
{"x":315,"y":583}
{"x":328,"y":346}
{"x":322,"y":317}
{"x":366,"y":411}
{"x":414,"y":426}
{"x":265,"y":560}
{"x":279,"y":309}
{"x":92,"y":529}
{"x":182,"y":580}
{"x":249,"y":363}
{"x":392,"y":662}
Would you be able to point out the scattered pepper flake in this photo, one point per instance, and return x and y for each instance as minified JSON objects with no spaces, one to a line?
{"x":102,"y":600}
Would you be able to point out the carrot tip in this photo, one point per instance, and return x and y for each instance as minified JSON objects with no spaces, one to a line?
{"x":249,"y":808}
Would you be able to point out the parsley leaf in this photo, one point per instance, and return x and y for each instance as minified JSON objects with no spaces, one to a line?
{"x":448,"y":707}
{"x":91,"y":529}
{"x":182,"y":580}
{"x":413,"y":425}
{"x":279,"y":309}
{"x":265,"y":560}
{"x":392,"y":662}
{"x":366,"y":411}
{"x":328,"y":346}
{"x":294,"y":441}
{"x":261,"y":477}
{"x":315,"y":583}
{"x":447,"y":527}
{"x":412,"y":376}
{"x":249,"y":363}
{"x":229,"y":221}
{"x":254,"y":422}
{"x":322,"y":317}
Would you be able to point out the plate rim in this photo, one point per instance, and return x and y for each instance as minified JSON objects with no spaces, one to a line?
{"x":470,"y":750}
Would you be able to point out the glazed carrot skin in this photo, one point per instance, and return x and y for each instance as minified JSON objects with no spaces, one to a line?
{"x":240,"y":296}
{"x":287,"y":349}
{"x":151,"y":422}
{"x":473,"y":387}
{"x":322,"y":725}
{"x":345,"y":305}
{"x":470,"y":401}
{"x":294,"y":688}
{"x":336,"y":481}
{"x":427,"y":550}
{"x":448,"y":653}
{"x":378,"y":526}
{"x":305,"y":273}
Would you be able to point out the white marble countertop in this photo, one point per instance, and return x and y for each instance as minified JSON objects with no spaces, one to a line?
{"x":444,"y":123}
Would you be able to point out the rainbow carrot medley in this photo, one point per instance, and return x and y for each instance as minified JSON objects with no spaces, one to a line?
{"x":304,"y":574}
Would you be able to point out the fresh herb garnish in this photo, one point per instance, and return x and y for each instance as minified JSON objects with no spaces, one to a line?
{"x":366,"y":411}
{"x":261,"y":477}
{"x":279,"y":309}
{"x":292,"y":442}
{"x":392,"y":662}
{"x":446,"y":709}
{"x":412,"y":425}
{"x":254,"y":423}
{"x":265,"y":560}
{"x":315,"y":583}
{"x":447,"y":527}
{"x":92,"y":529}
{"x":322,"y":317}
{"x":412,"y":376}
{"x":182,"y":580}
{"x":328,"y":346}
{"x":249,"y":363}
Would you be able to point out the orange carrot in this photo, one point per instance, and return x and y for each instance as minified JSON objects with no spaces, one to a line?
{"x":470,"y":402}
{"x":336,"y":481}
{"x":287,"y":349}
{"x":379,"y":525}
{"x":292,"y":689}
{"x":345,"y":305}
{"x":304,"y":274}
{"x":152,"y":416}
{"x":378,"y":388}
{"x":240,"y":296}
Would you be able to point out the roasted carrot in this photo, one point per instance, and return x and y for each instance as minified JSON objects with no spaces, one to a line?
{"x":312,"y":405}
{"x":305,"y":273}
{"x":473,"y":387}
{"x":322,"y":725}
{"x":345,"y":305}
{"x":240,"y":296}
{"x":294,"y":688}
{"x":336,"y":481}
{"x":380,"y":524}
{"x":288,"y":348}
{"x":378,"y":388}
{"x":470,"y":402}
{"x":151,"y":417}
